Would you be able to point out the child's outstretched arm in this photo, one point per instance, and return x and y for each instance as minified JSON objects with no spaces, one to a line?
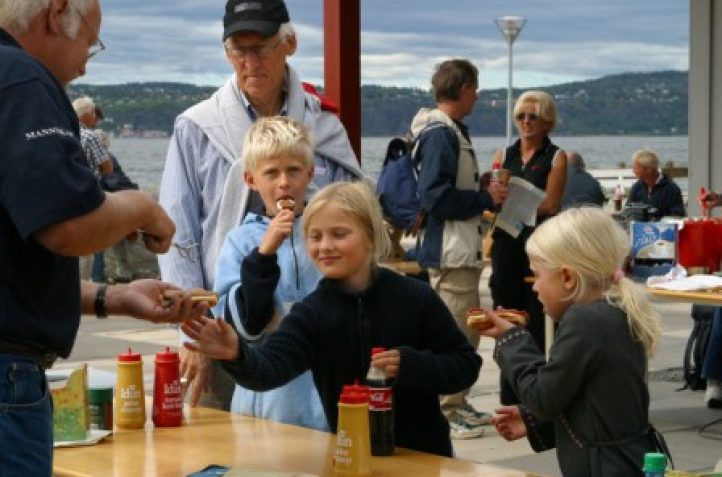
{"x":283,"y":355}
{"x":214,"y":338}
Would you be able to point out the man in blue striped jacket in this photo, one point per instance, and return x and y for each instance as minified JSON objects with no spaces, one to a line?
{"x":453,"y":203}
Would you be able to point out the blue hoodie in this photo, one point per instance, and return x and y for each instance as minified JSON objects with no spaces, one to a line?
{"x":297,"y":402}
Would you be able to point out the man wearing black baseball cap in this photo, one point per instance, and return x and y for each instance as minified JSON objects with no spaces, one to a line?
{"x":203,"y":188}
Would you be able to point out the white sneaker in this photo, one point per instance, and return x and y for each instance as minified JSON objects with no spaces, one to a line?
{"x":459,"y":429}
{"x":472,"y":417}
{"x":713,"y":395}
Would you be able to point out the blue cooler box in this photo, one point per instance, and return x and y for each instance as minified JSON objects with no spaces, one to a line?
{"x":654,"y":248}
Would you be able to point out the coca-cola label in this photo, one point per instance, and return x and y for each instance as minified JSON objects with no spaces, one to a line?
{"x":380,"y":399}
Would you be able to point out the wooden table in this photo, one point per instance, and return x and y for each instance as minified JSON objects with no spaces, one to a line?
{"x":713,"y":298}
{"x":216,"y":437}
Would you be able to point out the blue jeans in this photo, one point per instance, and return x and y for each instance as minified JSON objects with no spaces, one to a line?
{"x":98,"y":271}
{"x":712,"y":366}
{"x":26,"y":418}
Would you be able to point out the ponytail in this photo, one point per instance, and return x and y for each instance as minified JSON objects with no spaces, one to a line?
{"x":644,"y":321}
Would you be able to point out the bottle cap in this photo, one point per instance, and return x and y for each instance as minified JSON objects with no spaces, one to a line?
{"x":167,"y":356}
{"x":355,"y":388}
{"x":655,"y":462}
{"x":495,"y":165}
{"x":354,"y":398}
{"x":99,"y":395}
{"x":377,"y":349}
{"x":130,"y":356}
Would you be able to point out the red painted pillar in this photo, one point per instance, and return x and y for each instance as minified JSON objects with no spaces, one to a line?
{"x":342,"y":63}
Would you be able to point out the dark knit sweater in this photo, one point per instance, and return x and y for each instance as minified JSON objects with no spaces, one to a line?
{"x":332,"y":332}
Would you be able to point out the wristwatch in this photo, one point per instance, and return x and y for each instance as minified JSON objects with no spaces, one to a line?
{"x":100,"y":310}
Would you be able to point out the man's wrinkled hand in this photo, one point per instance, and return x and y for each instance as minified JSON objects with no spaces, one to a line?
{"x":143,"y":299}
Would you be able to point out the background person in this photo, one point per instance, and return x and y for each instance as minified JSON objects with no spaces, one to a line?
{"x":452,"y":201}
{"x":535,"y":158}
{"x":654,"y":188}
{"x":52,"y":210}
{"x":98,"y":157}
{"x":207,"y":139}
{"x":712,"y":365}
{"x":358,"y":305}
{"x":581,"y":187}
{"x":117,"y":180}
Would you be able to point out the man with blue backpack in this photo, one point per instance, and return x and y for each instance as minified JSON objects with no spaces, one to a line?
{"x":452,"y":200}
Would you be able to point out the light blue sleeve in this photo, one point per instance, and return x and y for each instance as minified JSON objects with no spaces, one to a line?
{"x":181,"y":198}
{"x":236,"y":246}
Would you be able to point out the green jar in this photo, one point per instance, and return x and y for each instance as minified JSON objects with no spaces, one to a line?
{"x":100,"y":406}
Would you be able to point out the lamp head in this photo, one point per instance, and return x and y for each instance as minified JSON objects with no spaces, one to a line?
{"x":510,"y":27}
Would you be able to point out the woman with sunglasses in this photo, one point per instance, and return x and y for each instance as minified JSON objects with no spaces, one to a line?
{"x":536,"y":159}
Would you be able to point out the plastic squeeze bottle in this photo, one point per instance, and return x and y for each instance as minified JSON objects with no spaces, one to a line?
{"x":129,"y":392}
{"x":167,"y":395}
{"x":654,"y":464}
{"x":381,"y":410}
{"x":353,"y":449}
{"x":618,"y":196}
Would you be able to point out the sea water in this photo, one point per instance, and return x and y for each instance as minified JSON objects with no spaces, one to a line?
{"x":143,"y":159}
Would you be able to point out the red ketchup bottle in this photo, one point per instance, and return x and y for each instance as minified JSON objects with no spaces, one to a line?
{"x":167,"y":396}
{"x":381,"y":410}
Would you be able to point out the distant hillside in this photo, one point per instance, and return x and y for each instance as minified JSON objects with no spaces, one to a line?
{"x":630,"y":103}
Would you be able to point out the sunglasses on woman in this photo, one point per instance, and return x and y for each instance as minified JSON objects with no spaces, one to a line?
{"x":530,"y":116}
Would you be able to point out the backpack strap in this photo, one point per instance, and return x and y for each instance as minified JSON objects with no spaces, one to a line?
{"x":429,"y":127}
{"x":420,"y":221}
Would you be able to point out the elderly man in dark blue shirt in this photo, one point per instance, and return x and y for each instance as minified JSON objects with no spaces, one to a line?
{"x":654,"y":188}
{"x":52,"y":210}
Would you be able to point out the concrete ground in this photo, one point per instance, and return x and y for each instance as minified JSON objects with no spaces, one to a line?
{"x":679,"y":415}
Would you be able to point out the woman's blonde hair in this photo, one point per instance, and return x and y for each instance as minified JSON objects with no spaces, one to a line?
{"x":546,"y":108}
{"x":593,"y":246}
{"x":359,"y":202}
{"x":276,"y":136}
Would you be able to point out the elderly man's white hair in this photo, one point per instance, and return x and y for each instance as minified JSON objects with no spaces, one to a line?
{"x":83,"y":105}
{"x":16,"y":15}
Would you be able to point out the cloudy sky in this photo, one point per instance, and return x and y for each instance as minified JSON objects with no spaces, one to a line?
{"x":401,"y":40}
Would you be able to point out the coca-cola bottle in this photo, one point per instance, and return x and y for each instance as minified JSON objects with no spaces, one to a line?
{"x":381,"y":410}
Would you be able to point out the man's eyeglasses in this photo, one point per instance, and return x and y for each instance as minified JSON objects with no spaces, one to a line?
{"x":96,"y":47}
{"x":530,"y":116}
{"x":260,"y":51}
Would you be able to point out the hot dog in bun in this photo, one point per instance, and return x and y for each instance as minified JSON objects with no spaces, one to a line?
{"x":479,"y":319}
{"x":197,"y":294}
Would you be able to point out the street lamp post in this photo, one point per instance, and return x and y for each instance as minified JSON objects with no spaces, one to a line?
{"x":510,"y":27}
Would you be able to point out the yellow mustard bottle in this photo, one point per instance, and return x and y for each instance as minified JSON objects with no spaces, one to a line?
{"x":129,"y":392}
{"x":352,"y":457}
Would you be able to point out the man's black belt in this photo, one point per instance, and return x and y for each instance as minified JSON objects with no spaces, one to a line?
{"x":44,"y":358}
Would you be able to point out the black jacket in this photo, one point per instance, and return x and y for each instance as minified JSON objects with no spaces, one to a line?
{"x":592,"y":389}
{"x":332,"y":333}
{"x":665,"y":197}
